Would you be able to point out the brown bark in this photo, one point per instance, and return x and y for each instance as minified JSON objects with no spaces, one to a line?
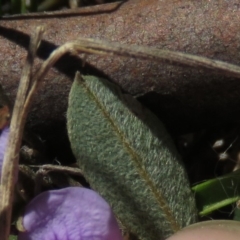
{"x":184,"y":98}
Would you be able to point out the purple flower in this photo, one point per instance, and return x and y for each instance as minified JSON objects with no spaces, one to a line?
{"x":71,"y":213}
{"x":3,"y":145}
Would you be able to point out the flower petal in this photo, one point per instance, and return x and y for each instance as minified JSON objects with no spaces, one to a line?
{"x":71,"y":213}
{"x":3,"y":145}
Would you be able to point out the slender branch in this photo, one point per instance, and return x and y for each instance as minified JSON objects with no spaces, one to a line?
{"x":57,"y":168}
{"x":11,"y":156}
{"x":158,"y":55}
{"x":92,"y":46}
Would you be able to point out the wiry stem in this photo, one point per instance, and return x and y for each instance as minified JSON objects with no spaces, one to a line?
{"x":11,"y":156}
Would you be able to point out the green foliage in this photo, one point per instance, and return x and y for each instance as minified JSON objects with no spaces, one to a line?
{"x":217,"y":193}
{"x":131,"y":161}
{"x":11,"y":237}
{"x":236,"y":216}
{"x":18,"y":6}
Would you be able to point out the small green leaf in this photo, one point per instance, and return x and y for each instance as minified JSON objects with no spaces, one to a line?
{"x":217,"y":193}
{"x":131,"y":161}
{"x":11,"y":237}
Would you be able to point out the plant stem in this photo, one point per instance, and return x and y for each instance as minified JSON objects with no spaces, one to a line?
{"x":11,"y":156}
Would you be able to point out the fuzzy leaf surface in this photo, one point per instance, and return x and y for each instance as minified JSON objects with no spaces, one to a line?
{"x":129,"y":158}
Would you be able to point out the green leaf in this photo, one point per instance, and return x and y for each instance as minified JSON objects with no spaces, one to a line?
{"x":217,"y":193}
{"x":131,"y":161}
{"x":236,"y":215}
{"x":11,"y":237}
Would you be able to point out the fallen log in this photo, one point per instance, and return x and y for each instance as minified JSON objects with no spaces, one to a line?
{"x":184,"y":98}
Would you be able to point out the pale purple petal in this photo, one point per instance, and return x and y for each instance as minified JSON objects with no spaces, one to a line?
{"x":71,"y":213}
{"x":3,"y":145}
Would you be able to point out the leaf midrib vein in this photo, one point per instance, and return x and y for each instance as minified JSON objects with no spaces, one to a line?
{"x":134,"y":156}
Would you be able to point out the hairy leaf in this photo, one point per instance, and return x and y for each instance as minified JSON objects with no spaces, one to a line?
{"x":128,"y":157}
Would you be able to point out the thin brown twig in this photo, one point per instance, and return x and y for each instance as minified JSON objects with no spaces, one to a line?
{"x":92,"y":46}
{"x":11,"y":156}
{"x":158,"y":55}
{"x":68,"y":47}
{"x":57,"y":168}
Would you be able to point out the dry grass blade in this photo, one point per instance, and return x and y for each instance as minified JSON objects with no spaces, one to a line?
{"x":10,"y":164}
{"x":56,"y":168}
{"x":93,"y":46}
{"x":159,"y":55}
